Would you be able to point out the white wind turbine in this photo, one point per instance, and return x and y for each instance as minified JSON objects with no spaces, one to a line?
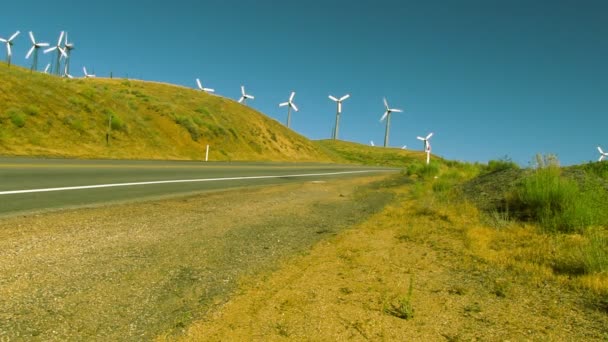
{"x":338,"y":112}
{"x":9,"y":46}
{"x":245,"y":96}
{"x":68,"y":53}
{"x":60,"y":52}
{"x":34,"y":50}
{"x":86,"y":74}
{"x":602,"y":154}
{"x":200,"y":86}
{"x":427,"y":146}
{"x":387,"y":116}
{"x":289,"y":105}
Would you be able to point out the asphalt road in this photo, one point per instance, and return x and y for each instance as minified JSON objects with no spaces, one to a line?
{"x":33,"y":185}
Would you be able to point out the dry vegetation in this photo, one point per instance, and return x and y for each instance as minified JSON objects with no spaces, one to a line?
{"x":43,"y":115}
{"x":469,"y":281}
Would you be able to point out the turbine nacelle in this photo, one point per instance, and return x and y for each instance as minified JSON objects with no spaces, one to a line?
{"x":244,"y":95}
{"x":200,"y":87}
{"x":290,"y":102}
{"x":339,"y":101}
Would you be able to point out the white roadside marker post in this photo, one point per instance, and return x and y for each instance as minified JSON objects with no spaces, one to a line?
{"x":207,"y":153}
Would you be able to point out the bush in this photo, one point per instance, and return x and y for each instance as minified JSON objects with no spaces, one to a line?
{"x":557,"y":203}
{"x":422,"y":170}
{"x":17,"y":117}
{"x":504,"y":163}
{"x":31,"y":110}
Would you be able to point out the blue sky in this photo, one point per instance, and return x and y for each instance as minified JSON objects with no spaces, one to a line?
{"x":489,"y":78}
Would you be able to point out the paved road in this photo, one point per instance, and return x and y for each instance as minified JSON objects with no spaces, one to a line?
{"x":28,"y":185}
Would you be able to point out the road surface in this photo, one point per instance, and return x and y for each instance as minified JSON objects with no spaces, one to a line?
{"x":32,"y":185}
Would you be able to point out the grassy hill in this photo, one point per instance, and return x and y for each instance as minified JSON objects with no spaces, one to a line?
{"x":43,"y":115}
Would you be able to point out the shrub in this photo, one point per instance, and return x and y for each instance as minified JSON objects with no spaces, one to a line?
{"x":422,"y":170}
{"x":558,"y":203}
{"x":189,"y":125}
{"x":17,"y":117}
{"x":504,"y":163}
{"x":31,"y":110}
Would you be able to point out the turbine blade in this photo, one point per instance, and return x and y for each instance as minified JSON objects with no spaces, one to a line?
{"x":243,"y":90}
{"x":600,"y":149}
{"x":429,"y":136}
{"x":209,"y":90}
{"x":291,"y":96}
{"x":84,"y":69}
{"x":397,"y":110}
{"x":250,"y":97}
{"x":8,"y":49}
{"x":283,"y":104}
{"x":46,"y":70}
{"x":198,"y":82}
{"x":60,"y":38}
{"x":32,"y":38}
{"x":42,"y":44}
{"x":3,"y":40}
{"x":29,"y":53}
{"x":344,"y":97}
{"x":340,"y":107}
{"x":14,"y":36}
{"x":601,"y":158}
{"x":50,"y":49}
{"x":420,"y":138}
{"x":293,"y":105}
{"x":241,"y":99}
{"x":333,"y":98}
{"x":385,"y":103}
{"x":384,"y":116}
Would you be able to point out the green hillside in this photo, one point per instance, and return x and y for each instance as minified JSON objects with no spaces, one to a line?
{"x":43,"y":115}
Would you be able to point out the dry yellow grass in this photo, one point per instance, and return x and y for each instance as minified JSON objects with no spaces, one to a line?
{"x":464,"y":287}
{"x":43,"y":115}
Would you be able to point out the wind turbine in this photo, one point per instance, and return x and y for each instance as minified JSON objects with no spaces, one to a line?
{"x":86,"y":74}
{"x":60,"y":52}
{"x":338,"y":112}
{"x":200,"y":86}
{"x":289,"y":105}
{"x":68,"y":53}
{"x":602,"y":154}
{"x":427,"y":146}
{"x":387,"y":116}
{"x":9,"y":44}
{"x":371,"y":143}
{"x":245,"y":96}
{"x":34,"y":50}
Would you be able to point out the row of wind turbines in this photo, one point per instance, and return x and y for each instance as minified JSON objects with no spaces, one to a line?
{"x":63,"y":50}
{"x":290,"y":104}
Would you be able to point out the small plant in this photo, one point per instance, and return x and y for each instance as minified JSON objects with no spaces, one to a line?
{"x":17,"y":117}
{"x":422,"y":170}
{"x":403,"y":308}
{"x":31,"y":110}
{"x":504,"y":163}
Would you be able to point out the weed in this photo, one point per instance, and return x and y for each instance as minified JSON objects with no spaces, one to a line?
{"x":596,"y":251}
{"x":118,"y":124}
{"x":422,"y":170}
{"x":403,"y":308}
{"x":31,"y":110}
{"x":505,"y":163}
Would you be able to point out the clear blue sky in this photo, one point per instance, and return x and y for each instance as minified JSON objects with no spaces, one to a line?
{"x":490,"y":78}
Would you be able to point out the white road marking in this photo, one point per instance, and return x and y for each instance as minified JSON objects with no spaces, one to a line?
{"x":98,"y":186}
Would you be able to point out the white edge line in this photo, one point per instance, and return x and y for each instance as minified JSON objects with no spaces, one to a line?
{"x":98,"y":186}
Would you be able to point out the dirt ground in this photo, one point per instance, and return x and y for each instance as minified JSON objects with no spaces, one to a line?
{"x":135,"y":271}
{"x":356,"y":286}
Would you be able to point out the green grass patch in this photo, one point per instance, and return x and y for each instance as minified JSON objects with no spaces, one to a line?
{"x":17,"y":117}
{"x":189,"y":125}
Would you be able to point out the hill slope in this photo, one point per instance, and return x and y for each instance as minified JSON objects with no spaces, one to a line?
{"x":43,"y":115}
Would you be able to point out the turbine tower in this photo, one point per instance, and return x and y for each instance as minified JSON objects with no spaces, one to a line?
{"x":387,"y":116}
{"x":289,"y":105}
{"x":602,"y":154}
{"x":68,"y":53}
{"x":338,"y":112}
{"x":427,"y":147}
{"x":34,"y":50}
{"x":60,"y":52}
{"x":200,"y":87}
{"x":9,"y":46}
{"x":245,"y":96}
